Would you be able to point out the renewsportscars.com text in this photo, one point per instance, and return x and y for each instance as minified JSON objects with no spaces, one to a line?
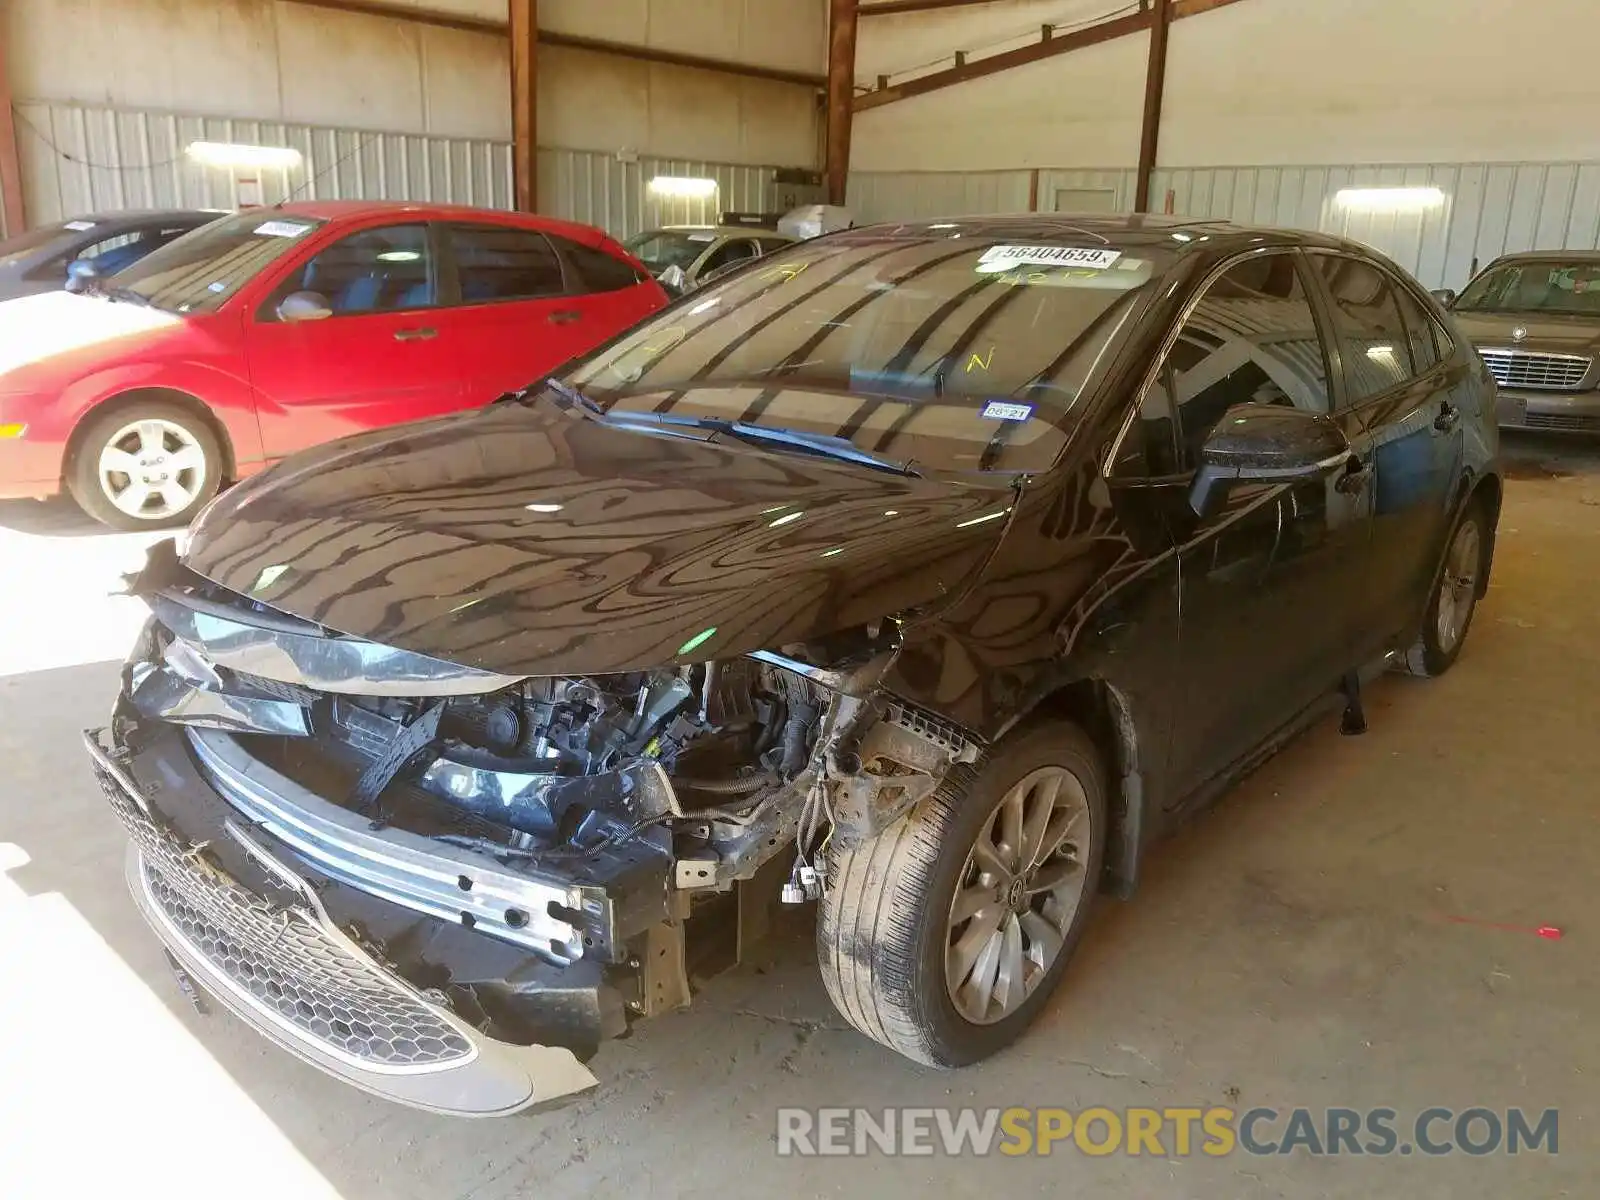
{"x":1166,"y":1132}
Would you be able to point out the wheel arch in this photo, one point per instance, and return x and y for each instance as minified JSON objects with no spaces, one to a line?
{"x":181,"y":399}
{"x":1106,"y":714}
{"x":1490,"y":491}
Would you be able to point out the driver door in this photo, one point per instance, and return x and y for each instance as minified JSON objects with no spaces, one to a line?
{"x":381,"y":357}
{"x":1266,"y":580}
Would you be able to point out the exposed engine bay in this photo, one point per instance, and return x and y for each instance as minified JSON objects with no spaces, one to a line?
{"x":585,"y":821}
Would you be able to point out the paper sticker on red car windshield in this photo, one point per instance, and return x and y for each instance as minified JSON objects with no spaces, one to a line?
{"x":1003,"y":258}
{"x":289,"y":229}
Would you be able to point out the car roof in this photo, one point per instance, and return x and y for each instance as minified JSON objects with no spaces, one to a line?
{"x":1576,"y":256}
{"x":138,"y":216}
{"x":346,"y":210}
{"x":1174,"y":234}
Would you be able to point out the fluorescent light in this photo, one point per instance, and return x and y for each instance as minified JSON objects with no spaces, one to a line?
{"x":1381,"y":353}
{"x":683,"y":186}
{"x":400,"y":256}
{"x":543,"y":508}
{"x":1390,"y":199}
{"x":236,"y":154}
{"x":794,"y":516}
{"x":994,"y":516}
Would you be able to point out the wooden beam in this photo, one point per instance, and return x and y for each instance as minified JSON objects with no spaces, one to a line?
{"x":1047,"y":46}
{"x":993,"y":64}
{"x":1155,"y":86}
{"x":525,"y":103}
{"x":13,"y":214}
{"x":887,"y":7}
{"x":841,"y":93}
{"x":484,"y":25}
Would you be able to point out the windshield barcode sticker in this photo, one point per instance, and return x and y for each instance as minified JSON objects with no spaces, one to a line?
{"x":1000,"y":258}
{"x":999,"y":410}
{"x":285,"y":229}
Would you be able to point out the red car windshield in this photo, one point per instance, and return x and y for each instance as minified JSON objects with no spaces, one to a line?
{"x":198,"y":272}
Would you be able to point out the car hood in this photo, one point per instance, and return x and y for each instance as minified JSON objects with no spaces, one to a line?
{"x":1562,"y":335}
{"x":59,"y":331}
{"x":532,"y":541}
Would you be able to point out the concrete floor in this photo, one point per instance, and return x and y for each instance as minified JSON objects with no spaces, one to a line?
{"x":1288,"y":948}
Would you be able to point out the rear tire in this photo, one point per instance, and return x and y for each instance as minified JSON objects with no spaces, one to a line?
{"x":147,"y":465}
{"x":891,"y":948}
{"x":1455,"y":598}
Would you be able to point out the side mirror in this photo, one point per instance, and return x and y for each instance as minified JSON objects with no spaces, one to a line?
{"x":1266,"y":443}
{"x":1444,"y":296}
{"x":674,"y":280}
{"x":81,"y":275}
{"x":304,"y":306}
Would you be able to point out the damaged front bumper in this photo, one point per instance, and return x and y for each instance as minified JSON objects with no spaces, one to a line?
{"x":274,"y":955}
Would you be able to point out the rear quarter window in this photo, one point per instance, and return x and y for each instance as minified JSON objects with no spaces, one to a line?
{"x":591,"y":270}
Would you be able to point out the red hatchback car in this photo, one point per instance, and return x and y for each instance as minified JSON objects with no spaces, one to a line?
{"x":277,"y":329}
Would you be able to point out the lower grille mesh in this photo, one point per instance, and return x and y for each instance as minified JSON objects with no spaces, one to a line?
{"x":284,"y":962}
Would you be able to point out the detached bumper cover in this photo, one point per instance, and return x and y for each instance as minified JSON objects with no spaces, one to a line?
{"x":281,"y":965}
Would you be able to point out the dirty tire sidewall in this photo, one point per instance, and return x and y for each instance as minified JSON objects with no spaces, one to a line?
{"x":1426,"y":658}
{"x":83,"y":480}
{"x":883,"y":925}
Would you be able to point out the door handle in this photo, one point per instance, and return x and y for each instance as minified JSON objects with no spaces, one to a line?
{"x":1449,"y":417}
{"x":1356,"y":476}
{"x":415,"y":335}
{"x":565,"y":317}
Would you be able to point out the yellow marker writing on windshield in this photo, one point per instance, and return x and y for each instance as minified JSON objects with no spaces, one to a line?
{"x":981,"y":364}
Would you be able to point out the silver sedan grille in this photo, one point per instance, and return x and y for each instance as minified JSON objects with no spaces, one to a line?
{"x":1526,"y":370}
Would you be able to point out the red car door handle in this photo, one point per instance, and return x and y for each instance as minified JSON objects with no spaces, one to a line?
{"x":565,"y":317}
{"x":415,"y":335}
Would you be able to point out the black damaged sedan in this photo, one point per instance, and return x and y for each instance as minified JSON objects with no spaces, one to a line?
{"x":927,"y":572}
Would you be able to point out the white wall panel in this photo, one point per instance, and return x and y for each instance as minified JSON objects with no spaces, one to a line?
{"x":1080,"y":110}
{"x":600,"y":189}
{"x":1490,"y":208}
{"x":786,"y":34}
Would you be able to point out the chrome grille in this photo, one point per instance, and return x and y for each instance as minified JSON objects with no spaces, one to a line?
{"x":1537,"y":372}
{"x":284,"y":965}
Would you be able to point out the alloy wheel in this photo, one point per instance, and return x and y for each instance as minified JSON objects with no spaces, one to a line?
{"x":1016,"y":896}
{"x":152,"y":468}
{"x":1458,"y":589}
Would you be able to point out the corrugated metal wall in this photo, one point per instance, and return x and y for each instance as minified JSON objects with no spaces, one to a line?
{"x":1489,"y":209}
{"x":599,"y":189}
{"x":78,"y":159}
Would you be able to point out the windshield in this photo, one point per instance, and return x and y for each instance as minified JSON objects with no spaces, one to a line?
{"x":25,"y":244}
{"x":937,"y":352}
{"x":1537,"y":286}
{"x":663,"y":248}
{"x":199,"y":271}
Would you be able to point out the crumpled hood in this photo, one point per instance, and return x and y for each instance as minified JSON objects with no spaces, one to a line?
{"x":60,"y":330}
{"x":529,"y":541}
{"x":1558,"y":334}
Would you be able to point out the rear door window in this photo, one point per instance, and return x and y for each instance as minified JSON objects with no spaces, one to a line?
{"x":500,"y":262}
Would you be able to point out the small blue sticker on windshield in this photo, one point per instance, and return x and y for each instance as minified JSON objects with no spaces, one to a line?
{"x":999,"y":410}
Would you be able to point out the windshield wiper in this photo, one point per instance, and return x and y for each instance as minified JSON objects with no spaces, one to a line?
{"x":566,"y":393}
{"x":126,"y":294}
{"x":821,"y":444}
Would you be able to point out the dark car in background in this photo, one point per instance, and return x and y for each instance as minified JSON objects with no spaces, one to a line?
{"x":1535,"y":319}
{"x":38,"y":260}
{"x":934,"y":569}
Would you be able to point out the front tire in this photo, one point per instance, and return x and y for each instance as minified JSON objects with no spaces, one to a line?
{"x":1455,"y":598}
{"x":944,"y":936}
{"x":148,"y":465}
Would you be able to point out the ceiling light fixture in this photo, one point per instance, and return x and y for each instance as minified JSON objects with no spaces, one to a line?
{"x":683,"y":187}
{"x":237,"y":154}
{"x":1390,"y":199}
